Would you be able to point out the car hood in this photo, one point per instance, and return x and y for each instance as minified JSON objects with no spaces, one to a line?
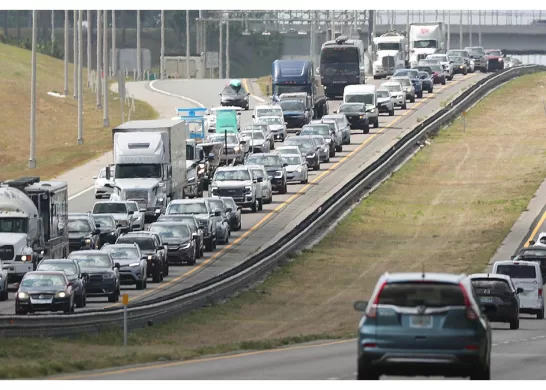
{"x":292,"y":168}
{"x":256,"y":142}
{"x":95,"y":271}
{"x":276,"y":127}
{"x":383,"y":100}
{"x":13,"y":239}
{"x":120,"y":217}
{"x":137,"y":183}
{"x":232,"y":97}
{"x":76,"y":236}
{"x":41,"y":290}
{"x":293,"y":113}
{"x":232,"y":183}
{"x":103,"y":181}
{"x":147,"y":251}
{"x":384,"y":53}
{"x":492,"y":57}
{"x":176,"y":241}
{"x":126,"y":262}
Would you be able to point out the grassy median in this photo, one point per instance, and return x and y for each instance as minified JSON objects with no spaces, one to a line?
{"x":56,"y":118}
{"x":448,"y":209}
{"x":264,"y":82}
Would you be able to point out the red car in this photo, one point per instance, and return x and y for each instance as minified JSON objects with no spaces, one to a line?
{"x":495,"y":60}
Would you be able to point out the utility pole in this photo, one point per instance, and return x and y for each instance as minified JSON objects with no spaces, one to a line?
{"x":80,"y":88}
{"x":479,"y":28}
{"x":227,"y":49}
{"x":32,"y":159}
{"x":106,"y":121}
{"x":470,"y":28}
{"x":75,"y":56}
{"x":448,"y":31}
{"x":461,"y":31}
{"x":311,"y":36}
{"x":162,"y":56}
{"x":52,"y":27}
{"x":407,"y":22}
{"x":221,"y":50}
{"x":65,"y":52}
{"x":139,"y":54}
{"x":114,"y":51}
{"x":99,"y":65}
{"x":89,"y":33}
{"x":187,"y":44}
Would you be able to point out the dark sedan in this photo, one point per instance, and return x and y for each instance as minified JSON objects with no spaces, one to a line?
{"x":234,"y":213}
{"x":308,"y":149}
{"x":356,"y":115}
{"x":44,"y":291}
{"x":438,"y":74}
{"x":498,"y":297}
{"x":427,"y":79}
{"x":103,"y":273}
{"x":132,"y":264}
{"x":193,"y":224}
{"x":73,"y":273}
{"x":154,"y":252}
{"x":82,"y":233}
{"x":179,"y":240}
{"x":459,"y":65}
{"x":110,"y":230}
{"x":233,"y":96}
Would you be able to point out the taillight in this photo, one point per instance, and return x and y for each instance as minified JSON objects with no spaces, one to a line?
{"x":370,"y":345}
{"x":435,"y":74}
{"x":372,"y":311}
{"x":470,"y":313}
{"x":471,"y":347}
{"x":540,"y":293}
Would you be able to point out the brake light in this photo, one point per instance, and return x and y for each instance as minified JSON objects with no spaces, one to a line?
{"x":540,"y":293}
{"x":370,"y":345}
{"x":372,"y":311}
{"x":470,"y":313}
{"x":471,"y":347}
{"x":435,"y":74}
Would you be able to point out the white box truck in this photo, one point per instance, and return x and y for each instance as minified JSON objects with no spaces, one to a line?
{"x":150,"y":163}
{"x":425,"y":39}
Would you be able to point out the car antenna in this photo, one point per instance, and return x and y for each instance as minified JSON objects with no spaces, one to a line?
{"x":423,"y":273}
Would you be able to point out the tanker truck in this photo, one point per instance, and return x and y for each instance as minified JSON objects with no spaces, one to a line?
{"x":33,"y":224}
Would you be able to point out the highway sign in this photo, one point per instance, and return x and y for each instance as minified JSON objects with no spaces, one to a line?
{"x":212,"y":60}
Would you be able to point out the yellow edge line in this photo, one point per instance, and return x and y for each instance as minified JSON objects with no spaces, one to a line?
{"x":204,"y":360}
{"x":536,"y":229}
{"x":289,"y":200}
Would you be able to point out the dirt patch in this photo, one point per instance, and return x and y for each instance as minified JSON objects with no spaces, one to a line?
{"x":447,"y":210}
{"x":264,"y":82}
{"x":56,"y":118}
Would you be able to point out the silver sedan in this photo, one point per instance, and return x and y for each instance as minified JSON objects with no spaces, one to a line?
{"x":324,"y":148}
{"x":297,"y":169}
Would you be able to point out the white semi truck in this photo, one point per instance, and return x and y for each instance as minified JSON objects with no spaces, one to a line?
{"x":391,"y":54}
{"x":33,"y":224}
{"x":150,"y":163}
{"x":425,"y":39}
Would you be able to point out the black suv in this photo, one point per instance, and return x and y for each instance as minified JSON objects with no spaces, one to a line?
{"x":82,"y":232}
{"x":275,"y":168}
{"x":151,"y":246}
{"x":73,"y":273}
{"x":110,"y":230}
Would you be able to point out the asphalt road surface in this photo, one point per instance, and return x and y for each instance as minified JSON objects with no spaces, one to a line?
{"x":260,"y":228}
{"x":517,"y":354}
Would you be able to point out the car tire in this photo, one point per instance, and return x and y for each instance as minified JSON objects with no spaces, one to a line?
{"x":112,"y":297}
{"x":443,"y":81}
{"x":376,"y":124}
{"x":391,"y":112}
{"x":339,"y":148}
{"x":540,"y":314}
{"x":514,"y":324}
{"x":405,"y":106}
{"x":193,"y":261}
{"x":431,"y":90}
{"x":140,"y":285}
{"x":270,"y":200}
{"x":79,"y":301}
{"x":481,"y":374}
{"x":254,"y":206}
{"x":209,"y":245}
{"x":5,"y":293}
{"x":260,"y":206}
{"x":420,"y":94}
{"x":166,"y":271}
{"x":412,"y":99}
{"x":316,"y":167}
{"x":366,"y":374}
{"x":156,"y":277}
{"x":332,"y":153}
{"x":146,"y":282}
{"x":84,"y":299}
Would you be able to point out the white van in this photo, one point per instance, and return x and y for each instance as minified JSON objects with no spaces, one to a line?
{"x":527,"y":275}
{"x":266,"y":110}
{"x":367,"y":94}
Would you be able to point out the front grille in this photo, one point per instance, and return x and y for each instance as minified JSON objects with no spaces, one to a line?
{"x":142,"y":203}
{"x":421,"y":56}
{"x":95,"y":279}
{"x":388,"y":62}
{"x":7,"y":252}
{"x":136,"y":194}
{"x":231,"y":151}
{"x":231,"y":192}
{"x":256,"y":149}
{"x":41,"y":296}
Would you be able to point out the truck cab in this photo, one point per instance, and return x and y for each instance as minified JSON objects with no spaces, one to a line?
{"x":391,"y":54}
{"x":425,"y":39}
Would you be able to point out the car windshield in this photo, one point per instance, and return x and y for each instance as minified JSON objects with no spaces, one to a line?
{"x":456,"y":59}
{"x":291,"y":160}
{"x":366,"y":98}
{"x":41,"y":280}
{"x":264,"y":160}
{"x":178,"y":231}
{"x":137,"y":171}
{"x":273,"y":120}
{"x":438,"y":58}
{"x":461,"y":53}
{"x":216,"y":204}
{"x":407,"y":72}
{"x":318,"y":141}
{"x":383,"y":94}
{"x":144,"y":243}
{"x":187,"y":208}
{"x":236,"y":175}
{"x":494,"y":285}
{"x":268,"y":111}
{"x":425,"y":44}
{"x":352,"y":108}
{"x":110,"y":208}
{"x":417,"y":294}
{"x":475,"y":50}
{"x":393,"y":87}
{"x":304,"y":143}
{"x":231,"y":139}
{"x":428,"y":62}
{"x":257,"y":135}
{"x":121,"y":253}
{"x":132,"y":207}
{"x":79,"y":226}
{"x":517,"y":271}
{"x":255,"y":127}
{"x":256,"y":173}
{"x":229,"y":202}
{"x":436,"y":68}
{"x":187,"y":219}
{"x":404,"y":82}
{"x":92,"y":261}
{"x":494,"y":53}
{"x":424,"y":75}
{"x":292,"y":105}
{"x":13,"y":225}
{"x":230,"y":91}
{"x":66,"y":267}
{"x":316,"y":130}
{"x":426,"y":69}
{"x":105,"y":221}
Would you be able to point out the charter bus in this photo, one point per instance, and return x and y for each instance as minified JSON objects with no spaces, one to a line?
{"x":341,"y":64}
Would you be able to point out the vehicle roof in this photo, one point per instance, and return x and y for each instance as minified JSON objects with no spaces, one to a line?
{"x":385,"y":84}
{"x":400,"y":77}
{"x":57,"y":261}
{"x":360,"y":88}
{"x":111,"y":201}
{"x":318,"y":122}
{"x":418,"y":276}
{"x":516,"y":262}
{"x":536,"y":247}
{"x":46,"y":273}
{"x":121,"y":245}
{"x":267,"y":106}
{"x":88,"y":252}
{"x":490,"y":276}
{"x":254,"y":166}
{"x":235,"y":168}
{"x":184,"y":201}
{"x":291,"y":155}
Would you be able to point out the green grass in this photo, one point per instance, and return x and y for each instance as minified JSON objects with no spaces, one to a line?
{"x":264,"y":82}
{"x":447,"y":209}
{"x":56,"y":118}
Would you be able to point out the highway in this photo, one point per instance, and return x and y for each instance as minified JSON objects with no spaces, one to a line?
{"x":263,"y":227}
{"x":516,"y":354}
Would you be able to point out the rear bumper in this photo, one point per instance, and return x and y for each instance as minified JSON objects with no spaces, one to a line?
{"x":501,"y":313}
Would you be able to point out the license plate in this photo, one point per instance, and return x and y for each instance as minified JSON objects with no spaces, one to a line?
{"x":41,"y":301}
{"x":486,"y":299}
{"x":421,"y":322}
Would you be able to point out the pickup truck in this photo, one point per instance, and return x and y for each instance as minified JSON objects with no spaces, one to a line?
{"x":237,"y":182}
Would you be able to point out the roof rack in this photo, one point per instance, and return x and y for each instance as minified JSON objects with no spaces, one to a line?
{"x":22,"y":182}
{"x":342,"y":39}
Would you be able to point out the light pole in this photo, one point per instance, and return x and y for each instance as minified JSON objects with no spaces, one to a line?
{"x":52,"y":27}
{"x":89,"y":32}
{"x":99,"y":66}
{"x":32,"y":159}
{"x":66,"y":53}
{"x":221,"y":50}
{"x":80,"y":89}
{"x":75,"y":56}
{"x":162,"y":57}
{"x":187,"y":44}
{"x":461,"y":31}
{"x":227,"y":48}
{"x":114,"y":51}
{"x":139,"y":55}
{"x":106,"y":121}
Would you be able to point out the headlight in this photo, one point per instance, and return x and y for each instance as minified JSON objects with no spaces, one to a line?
{"x":60,"y":295}
{"x":201,"y":171}
{"x":361,"y":116}
{"x":236,"y":149}
{"x":248,"y":189}
{"x":87,"y":241}
{"x":113,"y":233}
{"x":134,"y":264}
{"x":25,"y":258}
{"x":22,"y":295}
{"x":150,"y":257}
{"x":108,"y":276}
{"x":278,"y":174}
{"x":185,"y":246}
{"x":500,"y":59}
{"x":372,"y":110}
{"x":299,"y":169}
{"x":311,"y":155}
{"x":328,"y":140}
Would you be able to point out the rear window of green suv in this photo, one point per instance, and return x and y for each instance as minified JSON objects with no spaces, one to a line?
{"x":417,"y":294}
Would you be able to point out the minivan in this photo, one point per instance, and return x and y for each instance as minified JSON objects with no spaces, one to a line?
{"x":527,"y":275}
{"x":366,"y":94}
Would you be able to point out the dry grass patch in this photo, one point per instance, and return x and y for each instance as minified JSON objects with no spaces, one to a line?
{"x":448,"y":209}
{"x":264,"y":82}
{"x":56,"y":118}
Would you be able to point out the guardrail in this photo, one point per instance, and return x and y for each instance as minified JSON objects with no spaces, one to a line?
{"x":259,"y":265}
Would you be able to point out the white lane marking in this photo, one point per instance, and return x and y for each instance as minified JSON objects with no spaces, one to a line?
{"x":259,"y":99}
{"x":333,"y":379}
{"x":174,"y":95}
{"x":80,"y":193}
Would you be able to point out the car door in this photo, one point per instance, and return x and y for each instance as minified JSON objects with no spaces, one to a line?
{"x":266,"y":184}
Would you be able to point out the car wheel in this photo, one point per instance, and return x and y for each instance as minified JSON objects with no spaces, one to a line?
{"x":166,"y":272}
{"x":366,"y":374}
{"x":420,"y":94}
{"x":391,"y":112}
{"x":156,"y":278}
{"x":332,"y":152}
{"x":405,"y":106}
{"x":84,"y":299}
{"x":443,"y":81}
{"x":540,"y":314}
{"x":79,"y":301}
{"x":412,"y":99}
{"x":226,"y":240}
{"x":376,"y":124}
{"x":254,"y":206}
{"x":514,"y":324}
{"x":4,"y":296}
{"x":339,"y":148}
{"x":145,"y":282}
{"x":209,"y":245}
{"x":481,"y":374}
{"x":112,"y":297}
{"x":260,"y":206}
{"x":430,"y":90}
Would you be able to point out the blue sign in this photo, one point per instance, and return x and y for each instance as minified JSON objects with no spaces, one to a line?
{"x":193,"y":115}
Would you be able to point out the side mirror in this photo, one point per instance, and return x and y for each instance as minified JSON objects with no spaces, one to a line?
{"x":247,"y":94}
{"x":285,"y":165}
{"x":512,"y":257}
{"x":317,"y":148}
{"x":108,"y":173}
{"x":143,"y":257}
{"x":335,"y":111}
{"x":142,"y":210}
{"x":238,"y":112}
{"x":131,"y":212}
{"x":219,"y":93}
{"x":298,"y":132}
{"x":97,"y":231}
{"x":260,"y":179}
{"x":70,"y":284}
{"x":194,"y":235}
{"x":117,"y":265}
{"x":118,"y":225}
{"x":286,"y":123}
{"x":239,"y":207}
{"x":229,"y":209}
{"x":17,"y":285}
{"x":97,"y":225}
{"x":211,"y":158}
{"x":532,"y":242}
{"x":243,"y":142}
{"x":519,"y":290}
{"x":160,"y":247}
{"x":360,"y":306}
{"x":217,"y":213}
{"x":253,"y":116}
